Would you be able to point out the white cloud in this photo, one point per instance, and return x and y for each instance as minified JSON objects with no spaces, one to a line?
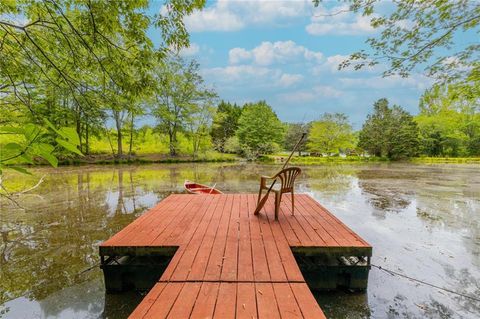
{"x":287,"y":80}
{"x":318,"y":92}
{"x":225,"y":15}
{"x":268,"y":53}
{"x":339,"y":21}
{"x":191,"y":50}
{"x":237,"y":55}
{"x":235,"y":73}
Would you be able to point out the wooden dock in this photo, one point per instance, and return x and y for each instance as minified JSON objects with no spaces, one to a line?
{"x":229,"y":263}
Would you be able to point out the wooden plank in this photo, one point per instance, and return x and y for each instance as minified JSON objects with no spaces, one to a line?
{"x":245,"y":261}
{"x":152,"y":228}
{"x":287,"y":304}
{"x":200,"y":262}
{"x":337,"y":222}
{"x":288,"y":261}
{"x":139,"y":222}
{"x":180,"y":265}
{"x":341,"y":238}
{"x":148,"y":301}
{"x":294,"y":226}
{"x":165,"y":301}
{"x":266,"y":301}
{"x":306,"y":213}
{"x":215,"y":261}
{"x":246,"y":301}
{"x":306,"y":302}
{"x":227,"y":301}
{"x":182,"y":308}
{"x":206,"y":300}
{"x":231,"y":263}
{"x":230,"y":258}
{"x":259,"y":258}
{"x":182,"y":223}
{"x":275,"y":265}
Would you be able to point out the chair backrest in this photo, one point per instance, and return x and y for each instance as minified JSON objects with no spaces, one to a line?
{"x":287,"y":177}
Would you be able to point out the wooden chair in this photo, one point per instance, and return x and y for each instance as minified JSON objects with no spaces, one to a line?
{"x":287,"y":179}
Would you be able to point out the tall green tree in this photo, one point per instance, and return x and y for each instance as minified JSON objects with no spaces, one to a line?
{"x":449,"y":121}
{"x":292,"y":136}
{"x":389,"y":132}
{"x":330,"y":134}
{"x":225,"y":123}
{"x":259,"y":129}
{"x":66,"y":60}
{"x":179,"y":91}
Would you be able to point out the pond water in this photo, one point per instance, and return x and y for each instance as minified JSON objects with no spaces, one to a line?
{"x":422,"y":220}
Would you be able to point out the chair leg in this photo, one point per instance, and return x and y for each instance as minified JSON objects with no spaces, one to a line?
{"x":293,"y":203}
{"x":278,"y":199}
{"x":259,"y":195}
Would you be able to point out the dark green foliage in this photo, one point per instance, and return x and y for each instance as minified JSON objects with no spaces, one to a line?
{"x":293,"y":134}
{"x":389,"y":132}
{"x":259,"y":129}
{"x":225,"y":124}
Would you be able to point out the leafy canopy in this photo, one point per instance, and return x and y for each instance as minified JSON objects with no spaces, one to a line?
{"x":389,"y":132}
{"x":424,"y":34}
{"x":259,"y":129}
{"x":330,"y":134}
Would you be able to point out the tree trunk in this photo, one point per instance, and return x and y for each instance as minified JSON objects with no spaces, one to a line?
{"x":172,"y":138}
{"x":87,"y":146}
{"x":118,"y":124}
{"x":78,"y":125}
{"x":131,"y":135}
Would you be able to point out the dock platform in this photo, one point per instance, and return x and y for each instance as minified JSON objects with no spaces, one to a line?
{"x":225,"y":262}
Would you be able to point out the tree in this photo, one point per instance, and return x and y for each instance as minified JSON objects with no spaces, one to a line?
{"x":179,"y":91}
{"x":225,"y":123}
{"x":198,"y":125}
{"x":389,"y":132}
{"x":68,"y":59}
{"x":293,"y":134}
{"x":449,"y":121}
{"x":259,"y":129}
{"x":330,"y":134}
{"x":422,"y":34}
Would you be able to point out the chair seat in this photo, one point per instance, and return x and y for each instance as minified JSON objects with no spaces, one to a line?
{"x":287,"y":180}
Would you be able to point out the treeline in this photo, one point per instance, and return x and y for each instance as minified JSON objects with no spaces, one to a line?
{"x":448,"y":125}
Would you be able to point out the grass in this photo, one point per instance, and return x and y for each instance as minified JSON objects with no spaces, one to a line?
{"x":445,"y":160}
{"x":315,"y":160}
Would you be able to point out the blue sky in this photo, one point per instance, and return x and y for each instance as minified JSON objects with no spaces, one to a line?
{"x":287,"y":53}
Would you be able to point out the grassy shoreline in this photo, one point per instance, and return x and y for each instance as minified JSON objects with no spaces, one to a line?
{"x":108,"y":159}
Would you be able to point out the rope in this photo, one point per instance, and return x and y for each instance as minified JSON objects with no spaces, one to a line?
{"x":394,"y":273}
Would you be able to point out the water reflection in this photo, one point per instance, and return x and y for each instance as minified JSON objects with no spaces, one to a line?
{"x":421,"y":220}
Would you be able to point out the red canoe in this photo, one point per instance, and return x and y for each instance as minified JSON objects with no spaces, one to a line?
{"x":195,"y":188}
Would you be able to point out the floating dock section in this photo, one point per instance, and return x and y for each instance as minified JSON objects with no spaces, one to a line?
{"x":208,"y":256}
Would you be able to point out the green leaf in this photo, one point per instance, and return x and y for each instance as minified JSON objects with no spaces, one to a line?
{"x":31,"y":131}
{"x":68,"y":146}
{"x":45,"y":148}
{"x":12,"y":147}
{"x":20,"y":169}
{"x":50,"y":158}
{"x":50,"y":125}
{"x":27,"y":158}
{"x":13,"y":130}
{"x":70,"y":134}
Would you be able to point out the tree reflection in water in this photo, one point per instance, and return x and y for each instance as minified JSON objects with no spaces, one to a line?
{"x":421,"y":220}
